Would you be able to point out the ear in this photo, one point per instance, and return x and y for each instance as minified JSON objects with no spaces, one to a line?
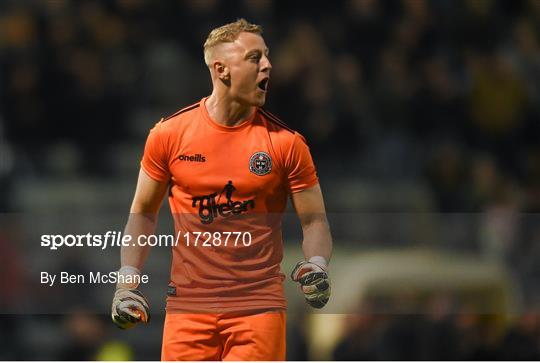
{"x":221,"y":70}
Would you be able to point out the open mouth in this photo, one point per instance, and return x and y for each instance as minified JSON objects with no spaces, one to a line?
{"x":263,"y":85}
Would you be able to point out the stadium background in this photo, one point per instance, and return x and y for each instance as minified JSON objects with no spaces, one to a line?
{"x":418,"y":113}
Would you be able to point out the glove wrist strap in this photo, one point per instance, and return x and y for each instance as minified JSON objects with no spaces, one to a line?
{"x":128,"y":271}
{"x":319,"y":261}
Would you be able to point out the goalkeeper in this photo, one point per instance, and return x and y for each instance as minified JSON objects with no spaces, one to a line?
{"x":228,"y":167}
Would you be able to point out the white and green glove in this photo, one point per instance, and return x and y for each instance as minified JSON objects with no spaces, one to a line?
{"x":129,"y":306}
{"x":314,"y":281}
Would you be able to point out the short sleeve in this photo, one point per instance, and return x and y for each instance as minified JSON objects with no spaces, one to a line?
{"x":301,"y":173}
{"x":155,"y":159}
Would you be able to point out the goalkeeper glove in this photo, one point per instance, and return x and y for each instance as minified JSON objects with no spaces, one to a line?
{"x":129,"y":306}
{"x":313,"y":280}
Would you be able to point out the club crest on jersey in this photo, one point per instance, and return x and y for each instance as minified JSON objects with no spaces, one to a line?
{"x":260,"y":163}
{"x":211,"y":208}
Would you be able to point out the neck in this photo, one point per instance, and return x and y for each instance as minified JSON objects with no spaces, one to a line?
{"x":225,"y":111}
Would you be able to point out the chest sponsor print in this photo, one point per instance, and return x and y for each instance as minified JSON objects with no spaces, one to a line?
{"x":223,"y":205}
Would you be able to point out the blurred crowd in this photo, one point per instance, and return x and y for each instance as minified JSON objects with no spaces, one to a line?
{"x":464,"y":336}
{"x":444,"y":94}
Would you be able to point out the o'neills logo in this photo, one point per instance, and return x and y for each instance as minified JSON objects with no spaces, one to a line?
{"x":197,"y":158}
{"x":210,"y":208}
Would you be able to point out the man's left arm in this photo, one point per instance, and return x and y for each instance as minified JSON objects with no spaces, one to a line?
{"x":312,"y":273}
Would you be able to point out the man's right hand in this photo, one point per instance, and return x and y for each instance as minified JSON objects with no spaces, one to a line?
{"x":129,"y":307}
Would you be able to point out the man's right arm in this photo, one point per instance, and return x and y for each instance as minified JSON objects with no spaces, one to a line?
{"x":129,"y":305}
{"x":148,"y":197}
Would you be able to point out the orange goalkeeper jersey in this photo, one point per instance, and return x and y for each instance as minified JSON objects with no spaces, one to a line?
{"x":228,"y":190}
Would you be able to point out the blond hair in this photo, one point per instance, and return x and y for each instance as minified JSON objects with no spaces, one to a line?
{"x":228,"y":33}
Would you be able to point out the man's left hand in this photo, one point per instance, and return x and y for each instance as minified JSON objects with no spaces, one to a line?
{"x":314,"y":283}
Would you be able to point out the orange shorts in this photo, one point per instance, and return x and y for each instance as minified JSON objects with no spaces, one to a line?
{"x":227,"y":336}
